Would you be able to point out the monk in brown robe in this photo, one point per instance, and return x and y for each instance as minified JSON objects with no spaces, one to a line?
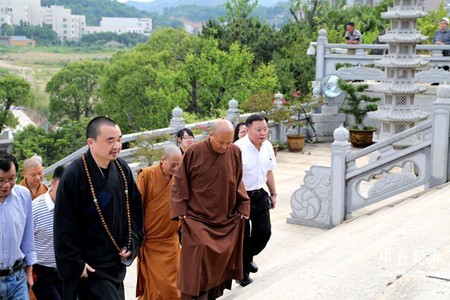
{"x":159,"y":257}
{"x":209,"y":198}
{"x":33,"y":174}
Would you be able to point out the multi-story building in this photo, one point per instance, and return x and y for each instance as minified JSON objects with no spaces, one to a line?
{"x":17,"y":12}
{"x":122,"y":25}
{"x":144,"y":24}
{"x":118,"y":30}
{"x":67,"y":26}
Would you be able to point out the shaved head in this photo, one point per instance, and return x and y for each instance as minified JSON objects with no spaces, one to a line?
{"x":222,"y":126}
{"x":221,"y":136}
{"x":30,"y":163}
{"x":171,"y":150}
{"x":171,"y":160}
{"x":33,"y":172}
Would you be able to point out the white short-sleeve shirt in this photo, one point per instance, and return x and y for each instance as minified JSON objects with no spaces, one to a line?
{"x":256,"y":163}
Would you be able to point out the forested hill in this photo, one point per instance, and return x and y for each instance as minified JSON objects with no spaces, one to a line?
{"x":94,"y":10}
{"x":168,"y":13}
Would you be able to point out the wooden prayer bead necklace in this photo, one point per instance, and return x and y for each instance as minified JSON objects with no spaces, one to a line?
{"x":98,"y":206}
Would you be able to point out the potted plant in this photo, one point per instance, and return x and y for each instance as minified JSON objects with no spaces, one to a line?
{"x":358,"y":105}
{"x":275,"y":144}
{"x":296,"y":105}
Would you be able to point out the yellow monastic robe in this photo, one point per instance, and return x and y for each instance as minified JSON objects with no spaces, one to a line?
{"x":41,"y":190}
{"x":159,"y":257}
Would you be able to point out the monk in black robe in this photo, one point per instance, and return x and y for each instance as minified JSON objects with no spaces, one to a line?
{"x":209,"y":198}
{"x":98,"y":227}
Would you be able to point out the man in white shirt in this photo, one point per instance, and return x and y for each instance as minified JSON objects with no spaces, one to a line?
{"x":259,"y":162}
{"x":48,"y":286}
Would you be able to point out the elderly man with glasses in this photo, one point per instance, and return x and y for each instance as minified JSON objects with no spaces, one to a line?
{"x":17,"y":253}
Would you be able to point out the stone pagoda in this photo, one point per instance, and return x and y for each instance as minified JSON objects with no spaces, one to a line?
{"x":399,"y":86}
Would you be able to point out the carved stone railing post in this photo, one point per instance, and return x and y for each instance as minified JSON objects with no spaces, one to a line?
{"x":322,"y":41}
{"x":233,"y":112}
{"x":340,"y":149}
{"x":440,"y":169}
{"x":177,"y":122}
{"x":437,"y":53}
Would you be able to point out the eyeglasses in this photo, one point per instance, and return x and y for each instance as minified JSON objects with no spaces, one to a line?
{"x":10,"y":181}
{"x":187,"y":138}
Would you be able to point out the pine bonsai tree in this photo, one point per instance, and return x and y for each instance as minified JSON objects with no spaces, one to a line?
{"x":357,"y":105}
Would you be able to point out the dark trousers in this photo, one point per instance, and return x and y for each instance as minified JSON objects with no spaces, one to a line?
{"x":102,"y":285}
{"x":257,"y":228}
{"x":48,"y":286}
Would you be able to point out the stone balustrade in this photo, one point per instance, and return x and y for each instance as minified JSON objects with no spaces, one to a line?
{"x":330,"y":56}
{"x":331,"y":193}
{"x":276,"y":131}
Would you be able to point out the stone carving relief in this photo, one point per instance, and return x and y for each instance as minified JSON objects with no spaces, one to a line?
{"x":435,"y":75}
{"x":312,"y":201}
{"x":360,"y":72}
{"x":391,"y":182}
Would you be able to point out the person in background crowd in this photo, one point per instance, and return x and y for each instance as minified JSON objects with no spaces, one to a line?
{"x":185,"y":138}
{"x":47,"y":285}
{"x":33,"y":174}
{"x":240,"y":131}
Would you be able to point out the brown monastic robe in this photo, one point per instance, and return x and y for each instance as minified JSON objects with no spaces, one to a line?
{"x":41,"y":190}
{"x":159,"y":257}
{"x":208,"y":189}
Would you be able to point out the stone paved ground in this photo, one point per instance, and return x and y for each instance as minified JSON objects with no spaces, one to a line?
{"x":288,"y":176}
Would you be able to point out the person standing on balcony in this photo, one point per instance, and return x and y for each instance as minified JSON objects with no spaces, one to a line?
{"x":442,"y":36}
{"x":258,"y":159}
{"x":352,"y":36}
{"x":98,"y":225}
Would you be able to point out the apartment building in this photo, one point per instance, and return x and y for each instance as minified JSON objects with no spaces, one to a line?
{"x":122,"y":25}
{"x":67,"y":26}
{"x":17,"y":12}
{"x":144,"y":24}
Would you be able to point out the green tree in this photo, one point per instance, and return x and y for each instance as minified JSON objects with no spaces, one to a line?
{"x":142,"y":86}
{"x":239,"y":9}
{"x":13,"y":91}
{"x":51,"y":145}
{"x":73,"y":90}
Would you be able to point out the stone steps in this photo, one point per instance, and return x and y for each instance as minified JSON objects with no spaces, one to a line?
{"x":347,"y":261}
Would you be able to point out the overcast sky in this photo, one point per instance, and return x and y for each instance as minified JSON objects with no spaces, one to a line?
{"x":135,"y":0}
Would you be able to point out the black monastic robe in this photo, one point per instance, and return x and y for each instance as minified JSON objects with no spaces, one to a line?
{"x":80,"y":236}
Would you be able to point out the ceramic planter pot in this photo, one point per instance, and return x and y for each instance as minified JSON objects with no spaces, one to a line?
{"x":361,"y":138}
{"x":296,"y":143}
{"x":275,"y":149}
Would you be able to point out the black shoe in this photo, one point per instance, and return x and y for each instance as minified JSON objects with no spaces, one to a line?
{"x":245,"y":281}
{"x":252,"y":267}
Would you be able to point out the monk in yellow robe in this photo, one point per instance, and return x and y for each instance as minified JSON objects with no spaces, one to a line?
{"x":159,"y":257}
{"x":33,"y":174}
